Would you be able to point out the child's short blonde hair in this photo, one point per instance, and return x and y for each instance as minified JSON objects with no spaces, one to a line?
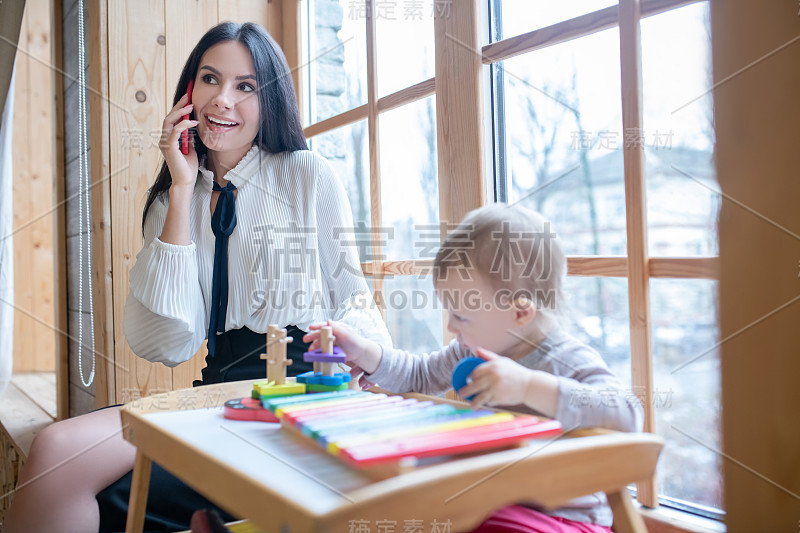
{"x":512,"y":248}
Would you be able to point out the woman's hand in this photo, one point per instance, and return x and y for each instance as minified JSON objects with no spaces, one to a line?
{"x":361,"y":352}
{"x":182,"y":168}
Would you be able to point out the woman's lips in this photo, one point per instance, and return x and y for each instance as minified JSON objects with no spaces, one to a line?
{"x":218,"y":128}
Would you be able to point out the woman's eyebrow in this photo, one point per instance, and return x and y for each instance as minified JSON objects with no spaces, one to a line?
{"x":218,"y":73}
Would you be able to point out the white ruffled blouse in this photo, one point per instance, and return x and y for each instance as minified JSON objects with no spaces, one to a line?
{"x":291,"y":260}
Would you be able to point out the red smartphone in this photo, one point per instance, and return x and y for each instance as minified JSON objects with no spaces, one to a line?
{"x":185,"y":133}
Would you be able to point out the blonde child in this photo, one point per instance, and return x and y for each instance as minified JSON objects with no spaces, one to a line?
{"x":499,"y":276}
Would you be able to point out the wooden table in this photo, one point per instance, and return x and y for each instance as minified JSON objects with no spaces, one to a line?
{"x":258,"y":471}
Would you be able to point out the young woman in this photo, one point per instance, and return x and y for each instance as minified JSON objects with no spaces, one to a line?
{"x":242,"y":232}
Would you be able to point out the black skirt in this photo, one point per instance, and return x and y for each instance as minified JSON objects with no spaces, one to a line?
{"x":170,"y":502}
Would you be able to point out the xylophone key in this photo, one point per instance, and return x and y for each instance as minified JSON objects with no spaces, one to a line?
{"x":280,"y":412}
{"x":396,"y":421}
{"x":370,"y":415}
{"x":410,"y":428}
{"x":294,"y":417}
{"x":460,"y":441}
{"x":305,"y":408}
{"x":274,"y":403}
{"x":442,"y":426}
{"x":285,"y":404}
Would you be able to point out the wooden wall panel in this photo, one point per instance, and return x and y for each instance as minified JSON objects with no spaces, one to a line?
{"x":284,"y":25}
{"x":137,"y":86}
{"x":42,"y":185}
{"x":23,"y":294}
{"x":246,"y":11}
{"x":755,"y":58}
{"x":33,"y":190}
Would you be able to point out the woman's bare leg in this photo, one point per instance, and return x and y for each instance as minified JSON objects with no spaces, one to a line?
{"x":70,"y":462}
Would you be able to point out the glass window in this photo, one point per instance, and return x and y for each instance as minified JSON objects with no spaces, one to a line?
{"x":562,"y":140}
{"x":686,"y":386}
{"x":404,"y":35}
{"x":347,"y":150}
{"x":596,"y":311}
{"x":413,"y":313}
{"x":409,"y":180}
{"x":522,"y":16}
{"x":336,"y":75}
{"x":679,"y":133}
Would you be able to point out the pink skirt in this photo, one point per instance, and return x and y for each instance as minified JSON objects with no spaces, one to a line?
{"x":518,"y":519}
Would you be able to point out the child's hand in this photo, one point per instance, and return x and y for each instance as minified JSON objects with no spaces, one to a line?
{"x":360,"y":352}
{"x":499,"y":381}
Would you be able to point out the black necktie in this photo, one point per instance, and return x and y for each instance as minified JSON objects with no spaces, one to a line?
{"x":222,"y":223}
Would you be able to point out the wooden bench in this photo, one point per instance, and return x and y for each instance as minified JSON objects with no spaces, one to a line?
{"x":27,"y":406}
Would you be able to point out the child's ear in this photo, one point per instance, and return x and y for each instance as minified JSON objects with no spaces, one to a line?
{"x":524,"y":309}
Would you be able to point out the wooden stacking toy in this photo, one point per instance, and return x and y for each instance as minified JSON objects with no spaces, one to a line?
{"x":275,"y":384}
{"x":323,"y":378}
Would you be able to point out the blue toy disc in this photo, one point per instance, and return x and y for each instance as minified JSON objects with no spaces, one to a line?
{"x":462,"y":371}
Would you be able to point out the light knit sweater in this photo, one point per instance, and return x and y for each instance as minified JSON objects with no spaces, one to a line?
{"x":292,"y":260}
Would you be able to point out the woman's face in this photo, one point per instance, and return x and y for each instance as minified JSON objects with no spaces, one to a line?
{"x":225,"y":98}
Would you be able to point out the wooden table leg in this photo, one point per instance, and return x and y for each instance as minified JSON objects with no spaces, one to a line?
{"x":626,"y":518}
{"x":139,"y":486}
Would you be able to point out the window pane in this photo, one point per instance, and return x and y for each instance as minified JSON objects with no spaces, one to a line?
{"x":687,"y":398}
{"x":563,"y":140}
{"x":522,"y":16}
{"x":597,"y":313}
{"x":413,"y":314}
{"x":679,"y":133}
{"x":347,"y":151}
{"x":404,"y":35}
{"x":336,"y":52}
{"x":409,"y":180}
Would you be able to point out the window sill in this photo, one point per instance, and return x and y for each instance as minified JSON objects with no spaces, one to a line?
{"x":666,"y":520}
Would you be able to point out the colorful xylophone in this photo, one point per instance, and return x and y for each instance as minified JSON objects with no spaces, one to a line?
{"x":373,"y":429}
{"x":367,"y":429}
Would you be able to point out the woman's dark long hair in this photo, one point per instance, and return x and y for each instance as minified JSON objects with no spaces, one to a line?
{"x":281,"y":130}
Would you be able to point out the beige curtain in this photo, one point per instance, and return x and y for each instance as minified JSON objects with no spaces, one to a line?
{"x":10,"y":23}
